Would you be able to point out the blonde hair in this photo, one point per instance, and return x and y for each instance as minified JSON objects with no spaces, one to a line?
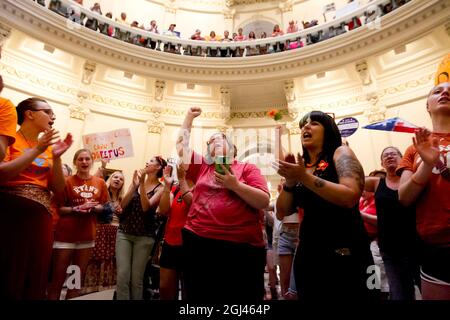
{"x":120,"y":192}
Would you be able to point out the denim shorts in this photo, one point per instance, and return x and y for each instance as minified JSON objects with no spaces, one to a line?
{"x":287,"y":243}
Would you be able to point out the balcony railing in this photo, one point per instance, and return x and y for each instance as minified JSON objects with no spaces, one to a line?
{"x":79,"y":16}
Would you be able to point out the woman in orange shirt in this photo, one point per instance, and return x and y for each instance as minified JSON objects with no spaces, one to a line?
{"x":31,"y":169}
{"x":84,"y":197}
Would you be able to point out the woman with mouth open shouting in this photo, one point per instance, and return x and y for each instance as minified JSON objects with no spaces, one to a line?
{"x":31,"y":169}
{"x":333,"y":258}
{"x":84,"y":198}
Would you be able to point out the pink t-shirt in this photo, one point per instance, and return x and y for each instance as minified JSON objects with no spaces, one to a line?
{"x":217,"y":212}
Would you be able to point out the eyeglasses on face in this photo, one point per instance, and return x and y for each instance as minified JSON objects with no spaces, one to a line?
{"x":49,"y":112}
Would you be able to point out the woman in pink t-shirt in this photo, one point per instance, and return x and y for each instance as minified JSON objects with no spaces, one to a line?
{"x":222,"y":238}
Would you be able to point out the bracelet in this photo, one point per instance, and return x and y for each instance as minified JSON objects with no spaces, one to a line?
{"x":420,"y":184}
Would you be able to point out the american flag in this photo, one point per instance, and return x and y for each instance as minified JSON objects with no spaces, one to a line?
{"x":394,"y":124}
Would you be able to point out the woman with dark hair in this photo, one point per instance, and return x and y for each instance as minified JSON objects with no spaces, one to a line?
{"x":32,"y":169}
{"x":223,"y":237}
{"x":333,"y":256}
{"x":84,"y":198}
{"x":137,"y":229}
{"x":396,"y":229}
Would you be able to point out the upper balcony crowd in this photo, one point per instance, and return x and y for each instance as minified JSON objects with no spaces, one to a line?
{"x":213,"y":45}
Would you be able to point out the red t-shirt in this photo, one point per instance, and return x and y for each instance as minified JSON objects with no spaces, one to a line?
{"x":80,"y":226}
{"x":433,"y":205}
{"x":177,"y":220}
{"x":368,"y":207}
{"x":219,"y":213}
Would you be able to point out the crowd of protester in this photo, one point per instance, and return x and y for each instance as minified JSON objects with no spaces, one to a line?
{"x":208,"y":217}
{"x":142,"y":39}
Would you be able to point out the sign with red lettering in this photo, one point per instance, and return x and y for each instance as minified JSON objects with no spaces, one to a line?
{"x":109,"y":145}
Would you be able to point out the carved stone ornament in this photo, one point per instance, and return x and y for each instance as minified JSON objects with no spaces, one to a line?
{"x":376,"y":110}
{"x":293,"y":128}
{"x":78,"y":112}
{"x":289,"y":90}
{"x":5,"y":33}
{"x":89,"y":68}
{"x":363,"y":71}
{"x":160,"y":85}
{"x":155,"y":126}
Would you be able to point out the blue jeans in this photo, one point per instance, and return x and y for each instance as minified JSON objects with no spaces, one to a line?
{"x":132,"y":254}
{"x":402,"y":272}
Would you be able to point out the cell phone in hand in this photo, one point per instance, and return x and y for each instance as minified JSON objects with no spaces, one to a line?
{"x":222,"y":160}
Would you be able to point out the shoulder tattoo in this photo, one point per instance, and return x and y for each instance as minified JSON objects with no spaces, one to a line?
{"x":349,"y":167}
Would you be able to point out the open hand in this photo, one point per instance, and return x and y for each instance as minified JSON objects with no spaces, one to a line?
{"x":427,"y":146}
{"x":62,"y":146}
{"x":167,"y":174}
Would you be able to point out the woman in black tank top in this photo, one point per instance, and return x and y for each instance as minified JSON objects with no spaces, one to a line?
{"x":397,"y":236}
{"x":333,"y":259}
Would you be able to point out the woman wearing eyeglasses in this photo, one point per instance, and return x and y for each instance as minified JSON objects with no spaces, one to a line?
{"x":223,"y":239}
{"x":333,"y":257}
{"x":137,"y":229}
{"x":425,"y":182}
{"x":31,"y":170}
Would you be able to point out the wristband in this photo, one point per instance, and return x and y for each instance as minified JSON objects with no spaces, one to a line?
{"x":420,"y":184}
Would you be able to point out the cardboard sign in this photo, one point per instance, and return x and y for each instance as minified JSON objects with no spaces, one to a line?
{"x":348,"y":126}
{"x":110,"y":145}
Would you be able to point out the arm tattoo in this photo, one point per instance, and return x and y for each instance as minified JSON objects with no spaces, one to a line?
{"x":319,"y":183}
{"x":349,"y":167}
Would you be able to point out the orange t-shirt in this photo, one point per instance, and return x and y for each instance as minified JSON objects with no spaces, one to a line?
{"x":8,"y":120}
{"x":433,"y":205}
{"x":80,"y":226}
{"x":38,"y":172}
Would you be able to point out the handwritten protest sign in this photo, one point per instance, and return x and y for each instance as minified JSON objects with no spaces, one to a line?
{"x":109,"y":145}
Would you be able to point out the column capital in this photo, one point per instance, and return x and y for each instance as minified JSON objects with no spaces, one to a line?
{"x":78,"y":112}
{"x":155,"y":126}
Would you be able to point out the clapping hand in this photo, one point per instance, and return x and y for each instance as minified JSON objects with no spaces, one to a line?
{"x":167,"y":174}
{"x":293,"y":172}
{"x":427,"y":146}
{"x":61,"y":146}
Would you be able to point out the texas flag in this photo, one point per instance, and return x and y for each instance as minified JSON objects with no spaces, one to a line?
{"x":393,"y":124}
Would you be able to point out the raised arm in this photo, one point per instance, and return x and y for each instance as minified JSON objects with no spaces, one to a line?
{"x":166,"y":198}
{"x":183,"y":148}
{"x":412,"y":184}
